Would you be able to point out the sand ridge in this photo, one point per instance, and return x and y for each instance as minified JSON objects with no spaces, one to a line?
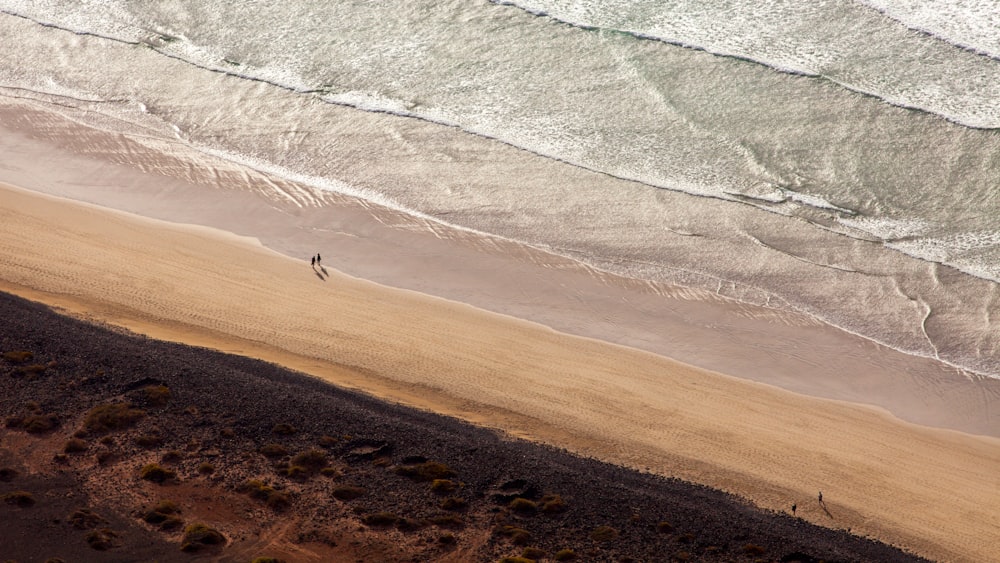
{"x":928,"y":490}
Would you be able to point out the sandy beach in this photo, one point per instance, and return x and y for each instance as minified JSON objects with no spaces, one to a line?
{"x":926,"y":489}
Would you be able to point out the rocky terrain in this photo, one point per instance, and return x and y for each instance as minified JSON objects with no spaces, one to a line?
{"x":115,"y":447}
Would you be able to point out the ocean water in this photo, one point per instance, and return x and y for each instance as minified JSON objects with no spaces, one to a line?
{"x":839,"y":159}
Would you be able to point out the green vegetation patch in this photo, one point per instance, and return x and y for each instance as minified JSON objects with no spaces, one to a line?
{"x":349,"y":493}
{"x":312,"y":460}
{"x":380,"y":519}
{"x":103,"y":539}
{"x":156,"y":395}
{"x":200,"y":536}
{"x":273,"y":450}
{"x":85,"y":519}
{"x":75,"y":446}
{"x":109,"y":417}
{"x":519,"y":536}
{"x":443,"y":486}
{"x":18,"y":356}
{"x":156,"y":473}
{"x":534,"y":553}
{"x":523,"y":506}
{"x":604,"y":534}
{"x":453,"y":503}
{"x":552,"y":504}
{"x":23,"y":499}
{"x":256,"y":489}
{"x":426,"y":471}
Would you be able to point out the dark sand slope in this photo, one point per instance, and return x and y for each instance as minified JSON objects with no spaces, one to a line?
{"x":221,"y":410}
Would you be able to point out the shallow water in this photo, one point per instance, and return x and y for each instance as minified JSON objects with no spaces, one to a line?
{"x":835,"y":159}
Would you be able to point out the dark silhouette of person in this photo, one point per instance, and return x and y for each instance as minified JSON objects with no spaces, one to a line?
{"x":318,"y":259}
{"x":793,"y":508}
{"x":313,"y":261}
{"x":821,"y":497}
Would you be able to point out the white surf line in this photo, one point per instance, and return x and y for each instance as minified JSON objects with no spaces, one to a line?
{"x":761,"y":243}
{"x":923,"y":328}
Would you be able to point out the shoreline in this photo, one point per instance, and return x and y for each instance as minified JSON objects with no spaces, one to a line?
{"x":592,"y":397}
{"x":787,"y":350}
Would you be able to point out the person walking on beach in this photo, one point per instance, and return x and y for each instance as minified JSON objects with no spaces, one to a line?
{"x":794,"y":506}
{"x":318,"y":259}
{"x":313,"y":261}
{"x":821,"y":497}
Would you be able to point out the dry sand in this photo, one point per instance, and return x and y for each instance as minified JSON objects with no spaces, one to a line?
{"x":929,"y":490}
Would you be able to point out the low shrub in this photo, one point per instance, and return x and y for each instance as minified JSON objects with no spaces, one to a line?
{"x":327,"y":441}
{"x":149,"y":441}
{"x":564,"y":555}
{"x":106,"y":457}
{"x":410,"y":524}
{"x":664,"y":527}
{"x":166,"y":507}
{"x":443,"y":486}
{"x":380,"y":519}
{"x":39,"y":423}
{"x":453,"y":503}
{"x":515,"y":560}
{"x":603,"y":534}
{"x":156,"y":473}
{"x":101,"y":540}
{"x":30,"y":372}
{"x":259,"y":490}
{"x":534,"y":553}
{"x":552,"y":504}
{"x":426,"y":471}
{"x":519,"y":536}
{"x":256,"y":489}
{"x":751,"y":549}
{"x":273,"y":450}
{"x":523,"y":506}
{"x":313,"y":460}
{"x":296,"y":472}
{"x":171,"y":523}
{"x":34,"y":423}
{"x":447,"y":539}
{"x":278,"y":501}
{"x":109,"y":417}
{"x":447,"y":521}
{"x":22,"y":499}
{"x":156,"y":395}
{"x":284,"y":429}
{"x":206,"y":468}
{"x":268,"y":560}
{"x":74,"y":446}
{"x":349,"y":493}
{"x":331,"y":472}
{"x":18,"y":356}
{"x":85,"y":519}
{"x":173,"y":456}
{"x":7,"y":474}
{"x":199,"y":536}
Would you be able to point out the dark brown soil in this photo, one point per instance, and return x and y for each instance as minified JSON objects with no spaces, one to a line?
{"x":285,"y":466}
